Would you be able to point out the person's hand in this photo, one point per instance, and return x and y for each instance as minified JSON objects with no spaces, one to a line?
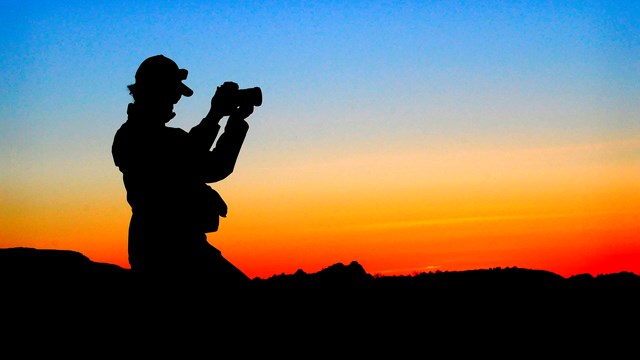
{"x":223,"y":101}
{"x":242,"y":112}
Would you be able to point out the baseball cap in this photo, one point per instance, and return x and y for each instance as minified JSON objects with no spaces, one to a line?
{"x":158,"y":69}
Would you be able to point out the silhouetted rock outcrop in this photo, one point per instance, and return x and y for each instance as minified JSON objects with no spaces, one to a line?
{"x":336,"y":276}
{"x":29,"y":267}
{"x":23,"y":261}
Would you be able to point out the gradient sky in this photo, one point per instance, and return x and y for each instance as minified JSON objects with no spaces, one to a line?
{"x":409,"y":136}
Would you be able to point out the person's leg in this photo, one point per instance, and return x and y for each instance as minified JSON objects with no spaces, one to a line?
{"x":208,"y":261}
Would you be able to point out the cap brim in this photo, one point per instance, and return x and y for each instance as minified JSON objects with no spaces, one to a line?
{"x":186,"y":91}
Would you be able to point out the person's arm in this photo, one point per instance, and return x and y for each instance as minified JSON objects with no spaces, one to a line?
{"x":221,"y":160}
{"x":218,"y":163}
{"x":204,"y":134}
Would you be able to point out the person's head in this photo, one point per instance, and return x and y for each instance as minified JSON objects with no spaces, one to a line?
{"x":159,"y":81}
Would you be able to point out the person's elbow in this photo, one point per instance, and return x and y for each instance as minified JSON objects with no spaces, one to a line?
{"x":219,"y":173}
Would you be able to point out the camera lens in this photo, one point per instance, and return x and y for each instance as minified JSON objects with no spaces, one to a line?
{"x":250,"y":96}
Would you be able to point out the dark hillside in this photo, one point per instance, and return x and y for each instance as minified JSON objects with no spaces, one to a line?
{"x":44,"y":291}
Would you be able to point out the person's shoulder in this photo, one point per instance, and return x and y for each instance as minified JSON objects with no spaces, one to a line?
{"x":175,"y":131}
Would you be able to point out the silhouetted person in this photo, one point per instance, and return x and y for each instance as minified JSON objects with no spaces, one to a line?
{"x":166,"y":171}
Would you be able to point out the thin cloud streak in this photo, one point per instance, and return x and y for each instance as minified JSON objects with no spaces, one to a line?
{"x":474,"y":219}
{"x":373,"y":157}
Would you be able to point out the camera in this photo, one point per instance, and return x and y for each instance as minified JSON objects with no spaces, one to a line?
{"x":249,"y":96}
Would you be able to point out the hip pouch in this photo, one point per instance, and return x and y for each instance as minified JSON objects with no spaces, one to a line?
{"x":210,"y":208}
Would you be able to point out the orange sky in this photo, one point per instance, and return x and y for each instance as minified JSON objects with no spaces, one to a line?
{"x":566,"y":209}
